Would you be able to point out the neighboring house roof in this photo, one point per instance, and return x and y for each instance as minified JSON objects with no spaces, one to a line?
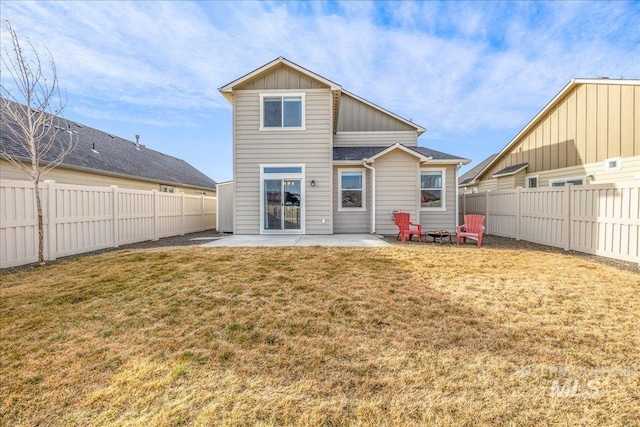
{"x":549,"y":107}
{"x":468,"y":177}
{"x":227,"y":90}
{"x":370,"y":152}
{"x":510,"y":170}
{"x":115,"y":156}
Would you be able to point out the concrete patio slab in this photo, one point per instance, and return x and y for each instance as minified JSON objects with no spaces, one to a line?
{"x":355,"y":240}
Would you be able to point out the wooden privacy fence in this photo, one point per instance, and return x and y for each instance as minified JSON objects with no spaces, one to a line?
{"x":80,"y":218}
{"x":602,"y":219}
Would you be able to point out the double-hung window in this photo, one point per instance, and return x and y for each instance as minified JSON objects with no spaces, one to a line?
{"x":282,"y":111}
{"x":352,"y":190}
{"x":432,"y":189}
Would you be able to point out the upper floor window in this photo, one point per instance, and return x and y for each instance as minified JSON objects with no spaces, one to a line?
{"x":432,"y":189}
{"x":282,"y":111}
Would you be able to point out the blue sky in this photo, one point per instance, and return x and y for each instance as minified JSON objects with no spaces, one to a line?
{"x":472,"y":73}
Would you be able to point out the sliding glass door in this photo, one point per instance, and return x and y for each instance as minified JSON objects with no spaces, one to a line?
{"x":282,"y":199}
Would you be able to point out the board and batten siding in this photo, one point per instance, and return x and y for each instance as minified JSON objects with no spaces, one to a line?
{"x":396,"y":189}
{"x":446,"y":219}
{"x":346,"y":221}
{"x":382,"y":139}
{"x":628,"y":173}
{"x":356,"y":116}
{"x":281,"y":77}
{"x":311,"y":147}
{"x":592,"y":123}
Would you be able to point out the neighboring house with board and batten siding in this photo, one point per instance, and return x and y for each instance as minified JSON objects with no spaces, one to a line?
{"x":310,"y":157}
{"x":588,"y":134}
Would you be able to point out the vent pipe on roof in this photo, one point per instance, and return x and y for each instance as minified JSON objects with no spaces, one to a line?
{"x":137,"y":142}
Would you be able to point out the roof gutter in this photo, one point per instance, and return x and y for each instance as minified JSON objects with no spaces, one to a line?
{"x":373,"y":194}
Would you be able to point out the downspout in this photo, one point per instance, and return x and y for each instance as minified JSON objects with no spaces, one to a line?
{"x":373,"y":195}
{"x":457,"y":196}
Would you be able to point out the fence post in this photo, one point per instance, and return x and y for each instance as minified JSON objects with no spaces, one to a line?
{"x":518,"y":212}
{"x":114,"y":195}
{"x":488,"y":230}
{"x":183,"y":219}
{"x":566,"y":207}
{"x":156,"y":224}
{"x":52,"y":238}
{"x":202,"y":226}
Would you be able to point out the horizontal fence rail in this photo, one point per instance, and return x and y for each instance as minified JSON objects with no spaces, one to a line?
{"x":79,"y":218}
{"x":602,"y":219}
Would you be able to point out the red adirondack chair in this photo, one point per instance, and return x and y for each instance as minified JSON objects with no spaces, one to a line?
{"x":472,"y":227}
{"x":403,"y":221}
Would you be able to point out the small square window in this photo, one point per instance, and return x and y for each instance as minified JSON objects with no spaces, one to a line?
{"x":613,"y":164}
{"x":531,"y":182}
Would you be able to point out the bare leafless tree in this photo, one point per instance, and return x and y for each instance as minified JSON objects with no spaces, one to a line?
{"x":31,"y":107}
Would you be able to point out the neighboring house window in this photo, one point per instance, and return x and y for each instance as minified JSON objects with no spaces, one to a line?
{"x":565,"y":181}
{"x":432,"y":189}
{"x":167,"y":189}
{"x":352,"y":189}
{"x":282,"y":111}
{"x":474,"y":190}
{"x":613,"y":164}
{"x":532,"y":181}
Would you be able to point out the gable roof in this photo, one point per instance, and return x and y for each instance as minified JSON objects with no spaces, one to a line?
{"x":114,"y":156}
{"x":469,"y":176}
{"x":370,"y":153}
{"x":549,"y":107}
{"x":227,"y":90}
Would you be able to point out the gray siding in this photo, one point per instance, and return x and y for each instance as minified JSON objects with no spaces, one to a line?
{"x":443,"y":220}
{"x":384,"y":139}
{"x":355,"y":116}
{"x":351,"y":221}
{"x":311,"y":147}
{"x":282,"y":78}
{"x":396,"y":189}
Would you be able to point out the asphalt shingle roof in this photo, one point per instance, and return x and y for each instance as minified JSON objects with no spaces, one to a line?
{"x":119,"y":156}
{"x":364,"y":152}
{"x":470,"y":175}
{"x":511,"y":169}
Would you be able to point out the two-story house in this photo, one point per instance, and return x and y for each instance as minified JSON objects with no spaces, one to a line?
{"x":588,"y":134}
{"x":312,"y":158}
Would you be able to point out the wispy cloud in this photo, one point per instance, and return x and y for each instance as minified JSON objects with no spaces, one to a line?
{"x":458,"y":68}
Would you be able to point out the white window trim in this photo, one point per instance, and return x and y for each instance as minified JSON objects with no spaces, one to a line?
{"x":300,"y":176}
{"x":618,"y":160}
{"x":364,"y":189}
{"x":526,"y":180}
{"x":281,"y":94}
{"x":444,"y":189}
{"x":571,"y":178}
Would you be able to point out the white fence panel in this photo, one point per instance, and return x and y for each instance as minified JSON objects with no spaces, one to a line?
{"x":601,"y":219}
{"x":543,"y":214}
{"x":606,"y":221}
{"x":134,"y":215}
{"x":502,"y":217}
{"x":18,"y":223}
{"x":83,"y":218}
{"x":86,"y":218}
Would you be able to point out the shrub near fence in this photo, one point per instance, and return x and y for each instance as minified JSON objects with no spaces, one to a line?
{"x":80,"y":218}
{"x":601,"y":219}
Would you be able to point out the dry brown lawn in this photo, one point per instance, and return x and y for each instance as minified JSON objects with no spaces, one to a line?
{"x":400,"y":336}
